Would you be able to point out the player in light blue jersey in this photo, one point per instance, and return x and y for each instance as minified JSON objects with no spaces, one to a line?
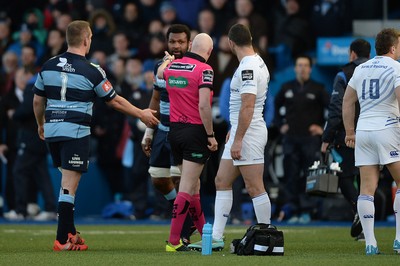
{"x":376,"y":85}
{"x":64,"y":93}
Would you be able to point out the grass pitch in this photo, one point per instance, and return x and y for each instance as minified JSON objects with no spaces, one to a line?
{"x":145,"y":245}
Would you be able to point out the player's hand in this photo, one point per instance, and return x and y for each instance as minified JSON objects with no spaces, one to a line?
{"x":350,"y":140}
{"x":148,"y":117}
{"x":236,"y":150}
{"x":168,"y":57}
{"x":324,"y":147}
{"x":315,"y":130}
{"x":41,"y":132}
{"x":227,"y":136}
{"x":212,"y":144}
{"x":146,"y":141}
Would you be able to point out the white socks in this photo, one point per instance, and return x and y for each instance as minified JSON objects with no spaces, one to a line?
{"x":262,"y":208}
{"x":223,"y":206}
{"x":366,"y":211}
{"x":396,"y":208}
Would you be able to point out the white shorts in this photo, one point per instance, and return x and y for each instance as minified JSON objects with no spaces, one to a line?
{"x":378,"y":147}
{"x":253,"y":146}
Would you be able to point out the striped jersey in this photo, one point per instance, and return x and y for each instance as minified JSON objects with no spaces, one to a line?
{"x":159,"y":85}
{"x":374,"y":82}
{"x":70,"y":83}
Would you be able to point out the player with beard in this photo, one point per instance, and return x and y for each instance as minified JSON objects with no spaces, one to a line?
{"x":164,"y":175}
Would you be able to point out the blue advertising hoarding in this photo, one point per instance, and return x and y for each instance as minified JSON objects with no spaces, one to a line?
{"x":334,"y":51}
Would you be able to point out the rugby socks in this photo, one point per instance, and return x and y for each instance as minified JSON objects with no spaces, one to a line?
{"x":196,"y":213}
{"x":179,"y":213}
{"x":223,"y":206}
{"x":262,"y":208}
{"x":366,"y":211}
{"x":65,"y":217}
{"x":396,"y":208}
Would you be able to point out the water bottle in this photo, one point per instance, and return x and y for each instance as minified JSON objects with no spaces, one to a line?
{"x":206,"y":241}
{"x":336,"y":156}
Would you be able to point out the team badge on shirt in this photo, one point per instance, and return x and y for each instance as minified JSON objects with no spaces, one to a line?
{"x":107,"y":86}
{"x":208,"y":76}
{"x":247,"y":74}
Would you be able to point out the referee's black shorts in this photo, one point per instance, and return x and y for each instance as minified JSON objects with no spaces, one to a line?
{"x":189,"y":142}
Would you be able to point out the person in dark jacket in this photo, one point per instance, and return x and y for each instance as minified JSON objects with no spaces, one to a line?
{"x":300,"y":106}
{"x":31,"y":159}
{"x":334,"y":132}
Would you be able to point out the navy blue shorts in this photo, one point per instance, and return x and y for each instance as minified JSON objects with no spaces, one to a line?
{"x":161,"y":150}
{"x":71,"y":154}
{"x":189,"y":142}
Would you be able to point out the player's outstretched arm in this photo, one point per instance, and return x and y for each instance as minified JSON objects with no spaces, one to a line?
{"x":122,"y":105}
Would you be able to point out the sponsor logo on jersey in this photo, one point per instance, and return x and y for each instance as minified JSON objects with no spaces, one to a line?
{"x":208,"y":76}
{"x":183,"y":67}
{"x":247,"y":74}
{"x":394,"y":154}
{"x":106,"y":86}
{"x":75,"y":161}
{"x":179,"y":82}
{"x":64,"y":65}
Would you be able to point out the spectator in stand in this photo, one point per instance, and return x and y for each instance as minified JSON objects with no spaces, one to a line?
{"x":291,"y":29}
{"x":223,"y":62}
{"x":331,"y":18}
{"x":150,"y":9}
{"x":206,"y":24}
{"x":132,"y":24}
{"x":134,"y":73}
{"x":258,"y":25}
{"x":5,"y":34}
{"x":155,"y":26}
{"x":138,"y":175}
{"x":223,"y":13}
{"x":34,"y":20}
{"x":122,"y":48}
{"x":7,"y":72}
{"x":31,"y":159}
{"x":188,"y":11}
{"x":103,"y":27}
{"x":63,"y":21}
{"x":28,"y":58}
{"x":168,"y":14}
{"x":55,"y":44}
{"x":152,"y":47}
{"x":25,"y":37}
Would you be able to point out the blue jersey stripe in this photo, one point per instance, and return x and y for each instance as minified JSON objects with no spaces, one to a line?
{"x":65,"y":130}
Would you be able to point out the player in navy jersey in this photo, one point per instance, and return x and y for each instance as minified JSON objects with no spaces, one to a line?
{"x":64,"y":93}
{"x":165,"y":175}
{"x":375,"y":84}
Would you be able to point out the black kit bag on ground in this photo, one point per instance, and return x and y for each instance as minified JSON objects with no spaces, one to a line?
{"x":261,"y":240}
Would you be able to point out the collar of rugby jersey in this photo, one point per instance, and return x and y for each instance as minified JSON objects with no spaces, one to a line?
{"x":195,"y":56}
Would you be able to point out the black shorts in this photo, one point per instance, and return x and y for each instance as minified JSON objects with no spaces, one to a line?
{"x":161,"y":150}
{"x":71,"y":154}
{"x":188,"y":142}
